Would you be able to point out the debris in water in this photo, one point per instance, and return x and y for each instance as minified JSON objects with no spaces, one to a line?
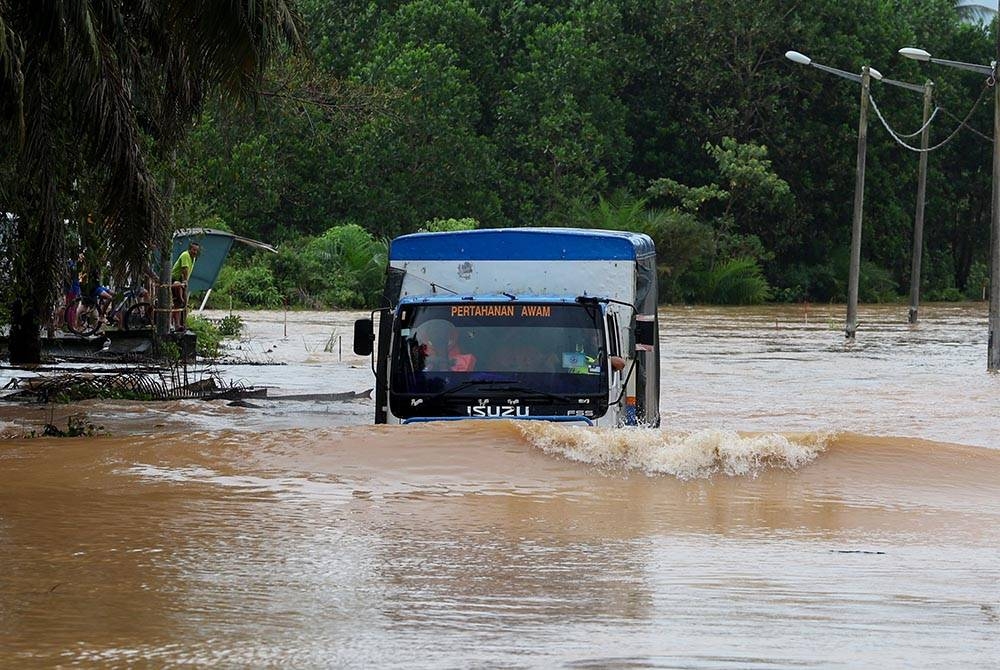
{"x":129,"y":385}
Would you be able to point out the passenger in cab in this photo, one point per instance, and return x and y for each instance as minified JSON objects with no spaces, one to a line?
{"x":585,"y":360}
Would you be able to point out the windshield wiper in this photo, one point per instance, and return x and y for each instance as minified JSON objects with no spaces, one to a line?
{"x":465,"y":385}
{"x":537,"y":393}
{"x":509,"y":386}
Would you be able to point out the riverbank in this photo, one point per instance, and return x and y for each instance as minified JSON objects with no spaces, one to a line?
{"x":297,"y":353}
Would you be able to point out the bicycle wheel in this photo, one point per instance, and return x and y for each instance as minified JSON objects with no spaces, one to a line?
{"x":83,"y":316}
{"x":138,"y":316}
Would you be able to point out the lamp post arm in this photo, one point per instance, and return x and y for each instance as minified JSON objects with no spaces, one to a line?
{"x":840,"y":73}
{"x":973,"y":67}
{"x":903,"y":84}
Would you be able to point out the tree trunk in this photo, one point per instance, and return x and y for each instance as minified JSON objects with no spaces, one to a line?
{"x":164,"y":296}
{"x":36,"y":259}
{"x":25,"y":341}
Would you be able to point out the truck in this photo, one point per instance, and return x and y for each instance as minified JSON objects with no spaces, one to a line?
{"x":554,"y":324}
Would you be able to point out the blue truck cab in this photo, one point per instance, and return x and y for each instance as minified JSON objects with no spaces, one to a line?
{"x":548,"y":324}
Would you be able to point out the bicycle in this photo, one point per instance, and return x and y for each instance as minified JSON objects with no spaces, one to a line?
{"x":130,"y":312}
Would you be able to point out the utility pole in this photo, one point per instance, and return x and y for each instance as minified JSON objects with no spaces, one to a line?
{"x":993,"y":358}
{"x":867,"y":74}
{"x":993,"y":348}
{"x":859,"y":202}
{"x":918,"y":221}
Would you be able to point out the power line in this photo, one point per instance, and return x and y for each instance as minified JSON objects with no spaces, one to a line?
{"x":968,"y":127}
{"x":962,"y":124}
{"x":921,"y":128}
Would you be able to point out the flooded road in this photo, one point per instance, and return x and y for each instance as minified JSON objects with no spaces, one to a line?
{"x":806,"y":503}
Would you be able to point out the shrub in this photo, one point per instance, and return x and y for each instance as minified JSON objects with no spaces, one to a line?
{"x":875,"y":284}
{"x":449,"y":225}
{"x":978,"y":281}
{"x":209,"y":337}
{"x":950,"y":294}
{"x":249,"y":286}
{"x":231,"y":326}
{"x":343,"y":267}
{"x":820,"y":283}
{"x":739,"y":281}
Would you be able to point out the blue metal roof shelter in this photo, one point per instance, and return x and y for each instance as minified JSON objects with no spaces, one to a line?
{"x":215,"y":246}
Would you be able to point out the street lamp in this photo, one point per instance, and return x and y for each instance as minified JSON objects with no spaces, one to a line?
{"x":867,"y":73}
{"x":853,"y":279}
{"x":993,"y":348}
{"x":924,"y":57}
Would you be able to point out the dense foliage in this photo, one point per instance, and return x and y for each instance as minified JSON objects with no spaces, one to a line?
{"x":679,"y":119}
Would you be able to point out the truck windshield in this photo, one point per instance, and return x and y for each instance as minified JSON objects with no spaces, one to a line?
{"x":543,"y":347}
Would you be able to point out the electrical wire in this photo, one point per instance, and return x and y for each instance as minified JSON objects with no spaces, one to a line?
{"x":962,"y":124}
{"x":968,"y":127}
{"x":921,"y":128}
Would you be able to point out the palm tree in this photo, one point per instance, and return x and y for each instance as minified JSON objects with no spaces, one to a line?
{"x":977,"y":11}
{"x":90,"y":92}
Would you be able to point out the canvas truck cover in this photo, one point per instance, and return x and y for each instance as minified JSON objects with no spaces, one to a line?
{"x":525,"y":261}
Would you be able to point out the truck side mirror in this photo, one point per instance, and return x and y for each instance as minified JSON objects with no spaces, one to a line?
{"x":645,"y":332}
{"x":364,"y":337}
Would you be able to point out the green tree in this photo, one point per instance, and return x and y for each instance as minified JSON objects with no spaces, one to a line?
{"x":428,"y":160}
{"x":749,"y":211}
{"x":340,"y":33}
{"x":532,"y":113}
{"x":455,"y":25}
{"x":684,"y":244}
{"x":560,"y":123}
{"x":449,"y":225}
{"x":345,"y":266}
{"x":270,"y":174}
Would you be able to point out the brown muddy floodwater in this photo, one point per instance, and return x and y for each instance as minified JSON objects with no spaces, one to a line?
{"x":806,"y":504}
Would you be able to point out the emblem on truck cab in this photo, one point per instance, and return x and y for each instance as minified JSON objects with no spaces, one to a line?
{"x":497,"y":410}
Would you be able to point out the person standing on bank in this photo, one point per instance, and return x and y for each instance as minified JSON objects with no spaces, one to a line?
{"x":180,"y":275}
{"x":71,"y":290}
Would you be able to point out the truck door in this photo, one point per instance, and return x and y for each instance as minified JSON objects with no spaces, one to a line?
{"x":616,"y":377}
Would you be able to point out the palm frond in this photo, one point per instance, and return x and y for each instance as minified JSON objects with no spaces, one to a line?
{"x":85,"y":85}
{"x":739,"y":281}
{"x":231,"y":42}
{"x":980,"y":13}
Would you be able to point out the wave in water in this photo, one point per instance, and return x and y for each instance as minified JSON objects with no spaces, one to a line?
{"x":689,"y":455}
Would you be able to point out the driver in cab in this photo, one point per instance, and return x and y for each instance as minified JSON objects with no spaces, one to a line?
{"x":439,"y":350}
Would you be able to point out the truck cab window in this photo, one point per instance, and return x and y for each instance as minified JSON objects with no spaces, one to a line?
{"x":548,"y":348}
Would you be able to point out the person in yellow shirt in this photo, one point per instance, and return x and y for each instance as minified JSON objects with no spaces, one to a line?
{"x":180,"y":275}
{"x":582,"y":363}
